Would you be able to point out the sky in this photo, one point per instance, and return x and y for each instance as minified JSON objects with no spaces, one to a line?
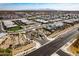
{"x":36,"y":6}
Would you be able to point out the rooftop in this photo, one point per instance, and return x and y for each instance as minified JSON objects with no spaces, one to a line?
{"x":9,"y":24}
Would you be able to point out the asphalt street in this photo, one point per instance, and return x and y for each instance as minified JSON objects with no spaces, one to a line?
{"x":53,"y":46}
{"x":62,"y":53}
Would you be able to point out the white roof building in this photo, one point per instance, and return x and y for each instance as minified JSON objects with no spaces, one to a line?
{"x":9,"y":24}
{"x":57,"y":19}
{"x":41,"y":20}
{"x":57,"y":24}
{"x":74,"y":20}
{"x":25,"y":21}
{"x":68,"y":21}
{"x":54,"y":25}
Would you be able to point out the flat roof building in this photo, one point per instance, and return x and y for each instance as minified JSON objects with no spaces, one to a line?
{"x":74,"y":20}
{"x":68,"y":21}
{"x":53,"y":26}
{"x":9,"y":24}
{"x":58,"y":24}
{"x":57,"y":19}
{"x":25,"y":21}
{"x":41,"y":20}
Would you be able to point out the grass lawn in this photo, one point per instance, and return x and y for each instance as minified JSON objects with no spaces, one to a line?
{"x":5,"y":52}
{"x":14,"y":29}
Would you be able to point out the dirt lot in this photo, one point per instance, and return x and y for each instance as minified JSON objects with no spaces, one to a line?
{"x":16,"y":43}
